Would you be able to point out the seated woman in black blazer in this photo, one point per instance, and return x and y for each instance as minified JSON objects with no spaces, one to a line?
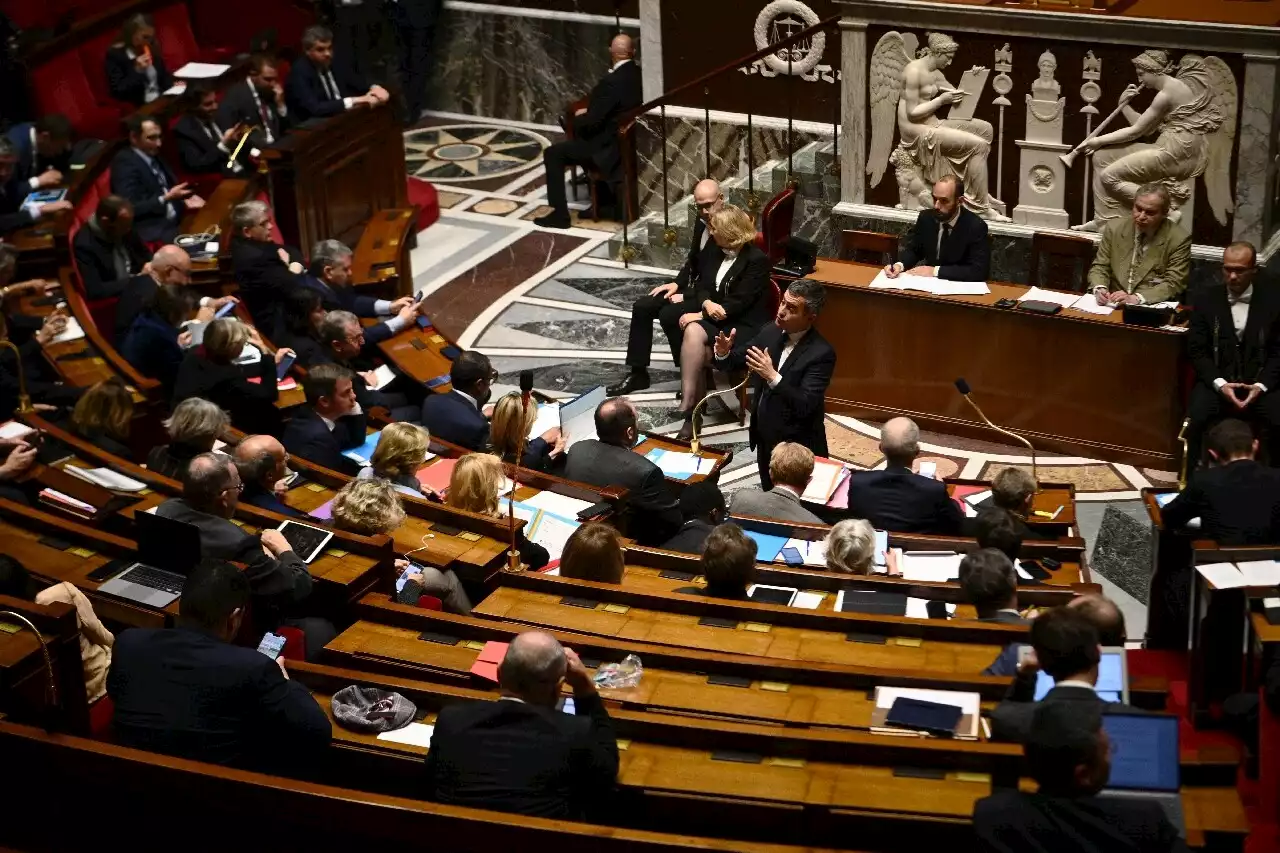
{"x":732,"y":293}
{"x":509,"y":426}
{"x":300,"y":325}
{"x":104,"y":416}
{"x":193,"y":428}
{"x":135,"y":69}
{"x":210,"y":371}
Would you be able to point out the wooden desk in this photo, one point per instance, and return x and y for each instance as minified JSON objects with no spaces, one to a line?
{"x":419,"y":354}
{"x":381,"y":259}
{"x":24,"y":680}
{"x":215,"y":217}
{"x":659,"y":442}
{"x":898,"y":353}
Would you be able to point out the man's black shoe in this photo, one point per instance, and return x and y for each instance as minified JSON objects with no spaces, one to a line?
{"x":553,"y":220}
{"x":636,"y":380}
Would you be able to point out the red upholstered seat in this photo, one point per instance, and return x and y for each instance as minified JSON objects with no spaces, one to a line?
{"x":173,"y":32}
{"x":295,"y":643}
{"x":92,"y":54}
{"x":775,"y":223}
{"x":29,"y":14}
{"x":100,"y":714}
{"x":229,"y":24}
{"x":430,"y":602}
{"x":103,"y":311}
{"x":424,"y":195}
{"x":60,"y":86}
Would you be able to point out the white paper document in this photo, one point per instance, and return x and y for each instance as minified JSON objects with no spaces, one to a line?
{"x":930,"y":567}
{"x":14,"y":429}
{"x":551,"y":532}
{"x":557,"y":504}
{"x":1222,"y":575}
{"x":176,"y":89}
{"x":1260,"y":572}
{"x":548,"y":418}
{"x":72,"y":332}
{"x":977,"y":498}
{"x":201,"y":70}
{"x":808,"y":600}
{"x":1089,"y":305}
{"x":414,"y":734}
{"x":106,"y":478}
{"x":678,"y":463}
{"x":929,"y":284}
{"x":385,"y":376}
{"x":823,"y":482}
{"x":814,"y":552}
{"x":918,"y":608}
{"x":1037,"y":294}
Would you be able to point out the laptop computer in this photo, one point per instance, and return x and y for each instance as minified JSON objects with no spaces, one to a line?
{"x":167,"y":551}
{"x":1113,"y":677}
{"x":578,"y":416}
{"x":1144,"y":762}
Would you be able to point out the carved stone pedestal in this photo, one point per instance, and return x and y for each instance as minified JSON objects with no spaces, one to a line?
{"x":1044,"y":185}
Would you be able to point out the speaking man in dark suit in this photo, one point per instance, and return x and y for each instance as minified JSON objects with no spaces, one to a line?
{"x":1236,"y":499}
{"x":667,"y":303}
{"x":190,"y":691}
{"x":897,"y":498}
{"x":595,"y":131}
{"x":14,"y":214}
{"x":317,"y":88}
{"x":44,"y":150}
{"x":257,"y":103}
{"x":1067,"y":648}
{"x":204,"y":146}
{"x":791,"y":366}
{"x":1069,"y":755}
{"x":520,"y":754}
{"x":107,"y":249}
{"x":138,"y":174}
{"x":459,"y":415}
{"x":330,"y":423}
{"x":1234,"y":346}
{"x":266,"y":271}
{"x":608,"y":460}
{"x":948,"y":242}
{"x":278,"y":579}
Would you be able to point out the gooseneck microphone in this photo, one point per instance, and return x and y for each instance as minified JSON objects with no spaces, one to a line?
{"x":513,"y":555}
{"x":963,"y":387}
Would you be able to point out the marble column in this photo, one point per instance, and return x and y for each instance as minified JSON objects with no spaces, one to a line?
{"x":651,"y":48}
{"x":1255,"y":169}
{"x":853,"y":110}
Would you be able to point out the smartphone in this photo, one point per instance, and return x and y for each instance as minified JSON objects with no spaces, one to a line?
{"x":272,"y":645}
{"x":438,"y":381}
{"x":224,"y":310}
{"x":1006,"y":303}
{"x":282,"y":369}
{"x":424,"y":321}
{"x":929,"y":469}
{"x":1026,"y":654}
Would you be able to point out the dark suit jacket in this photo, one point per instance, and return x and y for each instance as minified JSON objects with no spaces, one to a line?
{"x":185,"y":693}
{"x":691,"y":538}
{"x":898,"y":500}
{"x":276,"y":584}
{"x":264,"y":279}
{"x":239,"y":107}
{"x":124,"y":80}
{"x":745,"y":293}
{"x":616,"y":93}
{"x":95,"y":261}
{"x":12,"y":215}
{"x":346,"y":299}
{"x":172,"y":459}
{"x":1010,"y":821}
{"x":308,"y":350}
{"x":252,"y":406}
{"x":30,"y":163}
{"x":523,"y":759}
{"x":305,"y":93}
{"x":255,"y":495}
{"x":1215,"y":351}
{"x":1011,"y":719}
{"x":198,"y":152}
{"x":132,"y":178}
{"x":655,"y":516}
{"x":307,"y":436}
{"x":134,"y":296}
{"x":455,"y":419}
{"x":793,"y":411}
{"x":965,"y":254}
{"x":1237,"y":504}
{"x":691,"y":269}
{"x":151,"y":346}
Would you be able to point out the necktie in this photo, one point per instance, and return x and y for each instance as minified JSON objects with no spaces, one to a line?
{"x":331,"y":85}
{"x":211,"y":131}
{"x":946,"y":232}
{"x":120,"y":259}
{"x":159,"y":173}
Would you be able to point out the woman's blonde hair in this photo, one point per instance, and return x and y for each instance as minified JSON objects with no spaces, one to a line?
{"x":401,"y":450}
{"x":474,"y":484}
{"x":508,"y":427}
{"x":851,"y":546}
{"x":106,"y":407}
{"x":225,"y":339}
{"x":733,"y":225}
{"x":368,"y":507}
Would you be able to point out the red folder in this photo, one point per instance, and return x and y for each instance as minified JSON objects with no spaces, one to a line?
{"x":437,"y":474}
{"x":486,"y":665}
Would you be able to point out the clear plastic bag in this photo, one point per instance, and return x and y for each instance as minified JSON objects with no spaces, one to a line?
{"x":617,"y":676}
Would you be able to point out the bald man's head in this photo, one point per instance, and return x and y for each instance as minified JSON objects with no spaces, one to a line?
{"x":171,"y":265}
{"x":211,"y":484}
{"x":616,"y":422}
{"x":1105,"y":615}
{"x":533,"y":668}
{"x":261,"y":460}
{"x":621,"y":47}
{"x":900,"y":441}
{"x":708,"y":198}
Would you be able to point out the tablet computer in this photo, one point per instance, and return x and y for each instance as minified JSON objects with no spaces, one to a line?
{"x":44,"y":197}
{"x":307,"y":541}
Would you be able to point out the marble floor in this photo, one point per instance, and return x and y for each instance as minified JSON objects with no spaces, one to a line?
{"x":558,"y":303}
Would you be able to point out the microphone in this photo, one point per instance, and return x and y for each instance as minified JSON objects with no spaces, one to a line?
{"x":526,"y":385}
{"x":513,"y":556}
{"x":963,"y":387}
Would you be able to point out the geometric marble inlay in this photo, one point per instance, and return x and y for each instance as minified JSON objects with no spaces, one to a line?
{"x":1097,"y":477}
{"x":464,"y":152}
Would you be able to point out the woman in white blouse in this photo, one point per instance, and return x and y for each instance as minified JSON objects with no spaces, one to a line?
{"x":733,"y":292}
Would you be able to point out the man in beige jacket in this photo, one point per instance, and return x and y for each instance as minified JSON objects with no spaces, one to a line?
{"x":1144,"y":259}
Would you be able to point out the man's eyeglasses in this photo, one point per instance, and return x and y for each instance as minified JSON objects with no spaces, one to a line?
{"x":237,"y":488}
{"x":706,"y":205}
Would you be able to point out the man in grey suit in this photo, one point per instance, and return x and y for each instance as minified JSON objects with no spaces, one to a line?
{"x":278,"y":578}
{"x":608,"y":460}
{"x":990,"y":584}
{"x":790,"y":467}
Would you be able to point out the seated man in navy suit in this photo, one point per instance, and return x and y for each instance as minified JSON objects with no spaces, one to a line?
{"x":330,"y":423}
{"x":14,"y":214}
{"x":263,"y":464}
{"x":139,"y":175}
{"x":107,"y":249}
{"x":44,"y":150}
{"x":205,"y":146}
{"x":458,"y":416}
{"x":897,"y":499}
{"x":947,"y":242}
{"x":317,"y":88}
{"x":330,"y":277}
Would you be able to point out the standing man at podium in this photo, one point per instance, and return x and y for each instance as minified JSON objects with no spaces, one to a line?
{"x":947,"y":242}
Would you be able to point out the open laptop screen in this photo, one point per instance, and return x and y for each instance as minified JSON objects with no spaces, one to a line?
{"x":1144,"y":751}
{"x":1112,"y":677}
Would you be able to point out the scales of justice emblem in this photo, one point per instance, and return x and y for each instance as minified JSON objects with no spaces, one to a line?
{"x":780,"y":21}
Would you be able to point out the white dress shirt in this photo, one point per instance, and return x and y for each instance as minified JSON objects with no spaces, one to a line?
{"x":787,"y":349}
{"x":468,"y":398}
{"x":618,"y":64}
{"x":34,"y":181}
{"x":356,"y":410}
{"x":1239,"y":319}
{"x":725,"y":265}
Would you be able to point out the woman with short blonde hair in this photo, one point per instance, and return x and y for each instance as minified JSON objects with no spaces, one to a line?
{"x":474,"y":487}
{"x":510,"y":426}
{"x":851,"y":546}
{"x":372,"y":507}
{"x":401,"y":451}
{"x":104,"y":416}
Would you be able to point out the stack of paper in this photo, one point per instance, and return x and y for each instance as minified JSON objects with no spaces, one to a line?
{"x":968,"y":703}
{"x":201,"y":70}
{"x":822,"y":484}
{"x":557,"y":504}
{"x":79,"y":508}
{"x":1222,"y":575}
{"x":11,"y":430}
{"x":1035,"y":294}
{"x":551,"y":532}
{"x":414,"y":734}
{"x":930,"y":566}
{"x":929,"y":284}
{"x":1260,"y":572}
{"x":106,"y":478}
{"x":548,"y":418}
{"x":1089,"y":305}
{"x":1257,"y":573}
{"x":679,"y":464}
